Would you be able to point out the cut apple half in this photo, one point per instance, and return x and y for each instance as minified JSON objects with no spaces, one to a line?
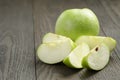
{"x":54,"y":48}
{"x":93,"y":41}
{"x":75,"y":57}
{"x":98,"y":58}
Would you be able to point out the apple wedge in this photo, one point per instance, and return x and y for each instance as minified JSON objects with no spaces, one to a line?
{"x":98,"y":58}
{"x":74,"y":59}
{"x":51,"y":37}
{"x":54,"y":48}
{"x":93,"y":41}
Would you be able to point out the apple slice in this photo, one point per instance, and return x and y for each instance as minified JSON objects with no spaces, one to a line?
{"x":54,"y":48}
{"x":92,"y":41}
{"x":51,"y":37}
{"x":98,"y":58}
{"x":75,"y":57}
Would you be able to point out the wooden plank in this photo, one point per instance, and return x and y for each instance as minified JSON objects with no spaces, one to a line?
{"x":45,"y":15}
{"x":16,"y":40}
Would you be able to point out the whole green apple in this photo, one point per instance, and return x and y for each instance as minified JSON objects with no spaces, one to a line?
{"x":76,"y":22}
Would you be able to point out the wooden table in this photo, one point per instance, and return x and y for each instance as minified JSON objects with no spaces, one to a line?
{"x":23,"y":24}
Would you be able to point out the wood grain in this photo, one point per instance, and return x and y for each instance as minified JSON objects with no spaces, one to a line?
{"x":45,"y":15}
{"x":16,"y":40}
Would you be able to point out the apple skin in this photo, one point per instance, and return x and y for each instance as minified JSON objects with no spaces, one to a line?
{"x":76,"y":22}
{"x":85,"y":62}
{"x":74,"y":59}
{"x":93,"y":41}
{"x":66,"y":61}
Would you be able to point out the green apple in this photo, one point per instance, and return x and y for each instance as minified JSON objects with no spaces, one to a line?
{"x":76,"y":22}
{"x":74,"y":59}
{"x":54,"y":48}
{"x":92,"y":41}
{"x":98,"y":58}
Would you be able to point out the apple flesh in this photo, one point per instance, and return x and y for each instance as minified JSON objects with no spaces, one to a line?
{"x":51,"y":37}
{"x":98,"y":58}
{"x":76,"y":22}
{"x":74,"y":59}
{"x":93,"y":41}
{"x":54,"y":48}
